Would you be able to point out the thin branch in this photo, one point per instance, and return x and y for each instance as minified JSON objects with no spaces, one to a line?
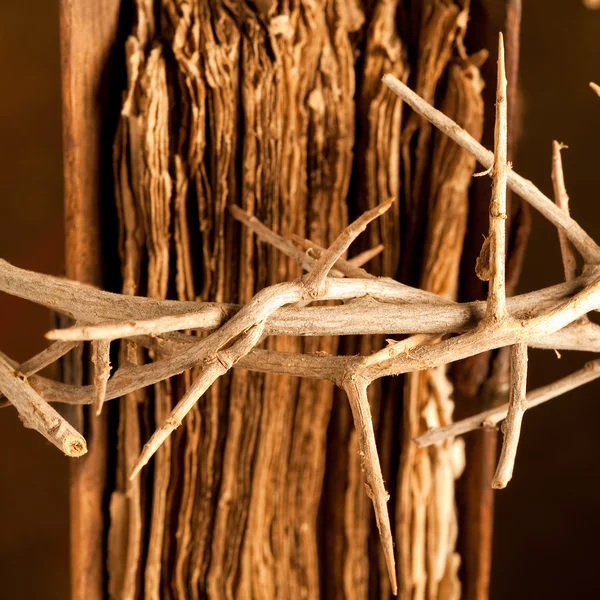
{"x":270,"y":237}
{"x":101,"y":362}
{"x":395,"y":349}
{"x":496,"y":303}
{"x":213,"y":368}
{"x":522,"y":187}
{"x":577,"y":336}
{"x":562,"y":201}
{"x":490,"y":418}
{"x":367,"y":256}
{"x":357,"y":261}
{"x":356,"y":389}
{"x":37,"y":414}
{"x":315,"y":280}
{"x":517,"y":406}
{"x":595,"y":87}
{"x":46,"y":357}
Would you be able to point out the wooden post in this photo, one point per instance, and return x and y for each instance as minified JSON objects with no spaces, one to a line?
{"x":88,"y":32}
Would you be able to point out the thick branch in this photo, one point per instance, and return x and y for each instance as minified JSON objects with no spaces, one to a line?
{"x":364,"y":316}
{"x":37,"y":414}
{"x":482,"y":340}
{"x":131,"y":378}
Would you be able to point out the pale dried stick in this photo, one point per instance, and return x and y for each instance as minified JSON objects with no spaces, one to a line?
{"x":394,"y":349}
{"x":522,"y":187}
{"x":37,"y":414}
{"x":211,"y":371}
{"x":252,"y":319}
{"x":315,"y":280}
{"x":595,"y":87}
{"x":101,"y":362}
{"x":490,"y":418}
{"x":496,"y":301}
{"x":366,"y":256}
{"x":364,"y":317}
{"x":274,"y":239}
{"x":206,"y":318}
{"x":356,"y":261}
{"x":356,"y":389}
{"x":562,"y":201}
{"x":332,"y":368}
{"x":484,"y":339}
{"x":46,"y":357}
{"x":517,"y":405}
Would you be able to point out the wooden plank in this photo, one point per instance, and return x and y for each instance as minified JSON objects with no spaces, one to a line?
{"x":88,"y":32}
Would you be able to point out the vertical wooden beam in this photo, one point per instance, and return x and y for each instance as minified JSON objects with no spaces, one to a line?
{"x":88,"y":31}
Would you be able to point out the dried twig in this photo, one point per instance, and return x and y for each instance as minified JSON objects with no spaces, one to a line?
{"x":343,"y":267}
{"x":357,"y":261}
{"x":315,"y":280}
{"x":275,"y":240}
{"x":496,"y":303}
{"x":38,"y":362}
{"x":562,"y":201}
{"x":368,"y":255}
{"x":356,"y":389}
{"x":214,"y":368}
{"x":101,"y":362}
{"x":516,"y":409}
{"x":595,"y":87}
{"x":46,"y":357}
{"x":490,"y":418}
{"x":522,"y":187}
{"x":37,"y":414}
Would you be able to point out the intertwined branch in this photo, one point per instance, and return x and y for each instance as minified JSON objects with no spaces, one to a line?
{"x":439,"y":331}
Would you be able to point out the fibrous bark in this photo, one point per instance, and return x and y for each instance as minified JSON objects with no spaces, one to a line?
{"x":278,"y":108}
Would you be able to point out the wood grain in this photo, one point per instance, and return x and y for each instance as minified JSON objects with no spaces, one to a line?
{"x":88,"y":31}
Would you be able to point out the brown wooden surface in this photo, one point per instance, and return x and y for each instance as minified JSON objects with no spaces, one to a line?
{"x":88,"y":31}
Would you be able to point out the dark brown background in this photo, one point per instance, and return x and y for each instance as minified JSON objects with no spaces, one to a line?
{"x":547,"y":521}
